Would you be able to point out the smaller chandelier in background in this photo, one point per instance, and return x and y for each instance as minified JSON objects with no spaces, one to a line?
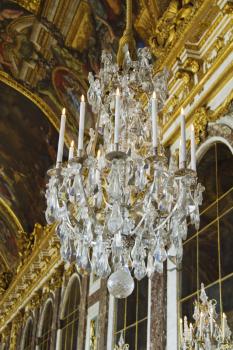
{"x":121,"y":343}
{"x":208,"y":332}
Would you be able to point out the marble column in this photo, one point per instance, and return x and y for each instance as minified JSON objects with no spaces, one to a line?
{"x":55,"y":321}
{"x":158,"y":312}
{"x":83,"y":313}
{"x":103,"y":316}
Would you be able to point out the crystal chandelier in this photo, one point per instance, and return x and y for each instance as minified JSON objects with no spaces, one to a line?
{"x":121,"y":343}
{"x":206,"y":333}
{"x":120,"y":208}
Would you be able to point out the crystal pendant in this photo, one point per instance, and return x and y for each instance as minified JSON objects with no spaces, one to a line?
{"x":120,"y":284}
{"x":115,"y":221}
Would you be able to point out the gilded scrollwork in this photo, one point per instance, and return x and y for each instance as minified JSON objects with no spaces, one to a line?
{"x":201,"y":118}
{"x":5,"y":280}
{"x":93,"y":337}
{"x":30,"y":5}
{"x":27,"y":242}
{"x":170,"y":25}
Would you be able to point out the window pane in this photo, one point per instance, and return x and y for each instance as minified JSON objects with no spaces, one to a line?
{"x":208,"y":255}
{"x":132,"y":306}
{"x":225,"y":168}
{"x":213,"y":292}
{"x":187,"y":308}
{"x":226,"y":241}
{"x":225,"y":203}
{"x":69,"y":322}
{"x":142,"y":297}
{"x":208,"y":216}
{"x":207,"y":177}
{"x":142,"y":334}
{"x":120,"y":313}
{"x":189,"y":268}
{"x":130,"y":337}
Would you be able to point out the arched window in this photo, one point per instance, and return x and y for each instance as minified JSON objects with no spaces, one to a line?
{"x":208,"y":252}
{"x":27,"y":337}
{"x":131,"y":317}
{"x":70,"y":315}
{"x":46,"y":330}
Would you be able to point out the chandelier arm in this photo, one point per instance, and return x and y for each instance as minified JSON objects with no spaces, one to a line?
{"x":127,"y":38}
{"x":169,"y":216}
{"x":129,"y":16}
{"x":85,"y":198}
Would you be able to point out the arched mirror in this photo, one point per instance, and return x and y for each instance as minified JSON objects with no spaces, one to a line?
{"x":70,"y":315}
{"x":208,"y":252}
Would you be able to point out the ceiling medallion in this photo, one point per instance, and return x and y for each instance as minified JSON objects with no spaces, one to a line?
{"x":121,"y":209}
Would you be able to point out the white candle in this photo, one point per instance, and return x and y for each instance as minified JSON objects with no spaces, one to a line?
{"x":183,"y":137}
{"x":71,"y":150}
{"x":211,"y":321}
{"x":61,"y":137}
{"x":201,"y":323}
{"x":191,"y":332}
{"x":193,"y":149}
{"x":98,"y":168}
{"x":81,"y":123}
{"x":154,"y":121}
{"x":180,"y":164}
{"x":117,"y":117}
{"x":223,"y":325}
{"x":181,"y":330}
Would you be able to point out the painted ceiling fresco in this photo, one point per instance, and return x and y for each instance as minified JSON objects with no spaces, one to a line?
{"x":48,"y":48}
{"x":27,"y":149}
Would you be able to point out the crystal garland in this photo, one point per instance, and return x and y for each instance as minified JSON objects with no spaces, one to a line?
{"x":122,"y":209}
{"x":205,"y":333}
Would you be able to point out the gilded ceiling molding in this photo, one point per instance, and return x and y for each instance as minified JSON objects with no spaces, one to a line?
{"x":12,"y":220}
{"x":43,"y":259}
{"x":216,"y":87}
{"x":30,"y":5}
{"x":38,"y":101}
{"x":8,"y":213}
{"x":81,"y":28}
{"x":173,"y":29}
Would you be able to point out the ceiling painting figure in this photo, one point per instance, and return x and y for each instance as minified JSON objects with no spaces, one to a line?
{"x":27,"y":147}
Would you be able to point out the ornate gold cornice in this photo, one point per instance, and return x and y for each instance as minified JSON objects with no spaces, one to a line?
{"x":215,"y":88}
{"x":174,"y":29}
{"x":39,"y":102}
{"x":36,"y":268}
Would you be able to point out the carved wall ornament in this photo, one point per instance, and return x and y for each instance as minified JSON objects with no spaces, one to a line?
{"x":30,"y":5}
{"x":57,"y":278}
{"x":228,"y":8}
{"x":171,"y":24}
{"x":5,"y":280}
{"x":201,"y":118}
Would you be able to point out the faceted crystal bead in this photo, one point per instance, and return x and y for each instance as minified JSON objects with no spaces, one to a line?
{"x":120,"y":284}
{"x":115,"y":221}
